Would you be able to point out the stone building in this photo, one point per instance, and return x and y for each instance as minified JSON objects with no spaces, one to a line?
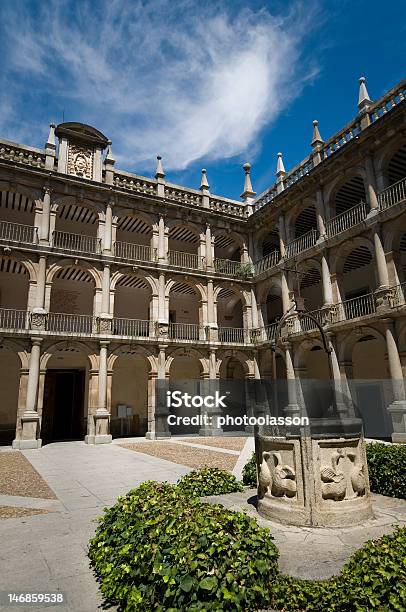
{"x":110,"y":280}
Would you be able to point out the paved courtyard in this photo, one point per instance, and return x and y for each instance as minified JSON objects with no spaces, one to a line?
{"x":47,"y":552}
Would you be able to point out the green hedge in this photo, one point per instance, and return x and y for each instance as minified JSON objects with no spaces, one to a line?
{"x":249,"y":472}
{"x":374,"y":578}
{"x":158,"y":549}
{"x":209,"y":481}
{"x":387,"y":469}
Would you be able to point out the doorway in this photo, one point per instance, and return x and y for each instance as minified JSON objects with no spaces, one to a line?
{"x":62,"y":414}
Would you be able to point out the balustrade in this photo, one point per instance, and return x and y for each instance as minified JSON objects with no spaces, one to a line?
{"x":13,"y":319}
{"x":15,"y":232}
{"x":301,"y":244}
{"x":134,"y":252}
{"x":267,"y":262}
{"x":346,"y":219}
{"x":76,"y":242}
{"x":235,"y":335}
{"x":70,"y":323}
{"x":185,"y":331}
{"x":185,"y":260}
{"x":392,"y":195}
{"x":135,"y":328}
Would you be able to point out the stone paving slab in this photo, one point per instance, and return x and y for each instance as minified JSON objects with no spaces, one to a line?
{"x":48,"y":553}
{"x":319,"y":552}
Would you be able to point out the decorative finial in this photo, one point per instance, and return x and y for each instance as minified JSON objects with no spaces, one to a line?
{"x":159,"y":174}
{"x":248,"y":190}
{"x":109,"y":155}
{"x":204,"y":185}
{"x":363,"y":97}
{"x":51,"y":136}
{"x":317,"y":139}
{"x":280,"y":168}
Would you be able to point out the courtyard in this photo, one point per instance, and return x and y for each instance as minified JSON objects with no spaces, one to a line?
{"x":47,"y":513}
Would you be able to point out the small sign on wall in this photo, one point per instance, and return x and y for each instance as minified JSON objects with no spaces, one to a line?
{"x":124,"y":411}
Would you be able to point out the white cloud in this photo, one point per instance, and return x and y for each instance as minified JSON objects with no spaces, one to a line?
{"x":186,"y":79}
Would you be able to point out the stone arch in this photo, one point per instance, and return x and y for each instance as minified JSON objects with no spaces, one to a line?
{"x":199,"y":288}
{"x":14,"y":360}
{"x":245,"y":361}
{"x":340,"y":255}
{"x":227,"y":244}
{"x":35,"y":195}
{"x":138,"y":349}
{"x":56,"y":267}
{"x":25,"y":263}
{"x":301,"y":220}
{"x":150,"y":280}
{"x":332,"y":188}
{"x":59,"y":201}
{"x":187,"y":352}
{"x":133,"y":226}
{"x":348,"y":342}
{"x":69,"y":345}
{"x":18,"y":205}
{"x":394,"y":151}
{"x":267,"y":241}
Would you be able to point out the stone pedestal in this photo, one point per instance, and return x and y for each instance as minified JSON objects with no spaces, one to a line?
{"x":30,"y":426}
{"x":397,"y":411}
{"x":101,"y":428}
{"x":310,"y":481}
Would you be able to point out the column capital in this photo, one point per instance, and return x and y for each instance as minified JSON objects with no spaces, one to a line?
{"x":104,"y":343}
{"x":36,"y":341}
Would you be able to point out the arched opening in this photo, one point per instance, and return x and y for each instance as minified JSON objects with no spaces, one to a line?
{"x":14,"y":288}
{"x":230,"y":316}
{"x":311,"y":288}
{"x":226,"y":247}
{"x":132,"y":303}
{"x":357,"y":282}
{"x":315,"y":381}
{"x":184,"y":305}
{"x":270,"y":243}
{"x":10,"y":367}
{"x":72,"y":301}
{"x":396,"y":169}
{"x":183,"y":244}
{"x":184,"y":375}
{"x":76,"y":229}
{"x":349,"y":195}
{"x":272,"y":310}
{"x":129,"y":397}
{"x":133,"y":239}
{"x":305,"y":222}
{"x":65,"y":400}
{"x":371,"y":387}
{"x":233,"y":384}
{"x":17,"y":213}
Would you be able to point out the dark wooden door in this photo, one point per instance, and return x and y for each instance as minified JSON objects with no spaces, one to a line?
{"x":63,"y":405}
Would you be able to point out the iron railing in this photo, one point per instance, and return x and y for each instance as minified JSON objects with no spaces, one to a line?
{"x":355,"y":307}
{"x":393,"y":194}
{"x":185,"y":260}
{"x":134,"y":252}
{"x":15,"y":232}
{"x":13,"y":319}
{"x":233,"y":268}
{"x":267,"y":262}
{"x":346,"y":219}
{"x":185,"y":331}
{"x":301,"y":244}
{"x":235,"y":335}
{"x":76,"y":242}
{"x":65,"y":323}
{"x":135,"y":328}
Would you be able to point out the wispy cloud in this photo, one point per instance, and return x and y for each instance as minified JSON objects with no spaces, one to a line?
{"x":188,"y":80}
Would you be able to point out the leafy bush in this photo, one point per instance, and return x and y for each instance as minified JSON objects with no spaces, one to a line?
{"x":158,"y":549}
{"x":387,"y":469}
{"x":209,"y":481}
{"x":249,"y":472}
{"x":374,"y":578}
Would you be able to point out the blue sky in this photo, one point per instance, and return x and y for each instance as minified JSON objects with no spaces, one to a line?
{"x":210,"y":84}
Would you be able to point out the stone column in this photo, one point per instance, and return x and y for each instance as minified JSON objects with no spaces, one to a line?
{"x":209,"y":387}
{"x":285,"y":293}
{"x":380,"y":258}
{"x":326,"y":280}
{"x":108,"y":224}
{"x":105,"y":318}
{"x":102,"y":416}
{"x":211,"y":312}
{"x":292,"y":409}
{"x":157,"y":419}
{"x":162,"y":241}
{"x":209,"y":250}
{"x":30,"y":420}
{"x":371,"y":184}
{"x":39,"y":313}
{"x":46,"y":217}
{"x":342,"y":398}
{"x":397,"y":409}
{"x":282,"y":234}
{"x":321,"y":214}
